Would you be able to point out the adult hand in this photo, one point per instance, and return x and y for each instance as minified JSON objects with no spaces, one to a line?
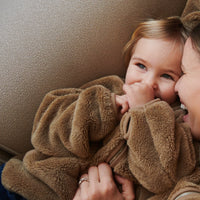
{"x":101,"y":185}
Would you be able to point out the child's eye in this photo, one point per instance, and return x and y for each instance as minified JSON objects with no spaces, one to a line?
{"x":141,"y":66}
{"x":167,"y":76}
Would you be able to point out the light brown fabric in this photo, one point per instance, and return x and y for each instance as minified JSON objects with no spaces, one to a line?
{"x":76,"y":128}
{"x":191,"y":14}
{"x":187,"y":188}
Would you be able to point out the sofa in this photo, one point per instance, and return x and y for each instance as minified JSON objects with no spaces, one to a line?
{"x":45,"y":45}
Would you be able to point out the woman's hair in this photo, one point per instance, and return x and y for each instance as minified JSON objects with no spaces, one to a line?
{"x":195,"y":38}
{"x":170,"y":29}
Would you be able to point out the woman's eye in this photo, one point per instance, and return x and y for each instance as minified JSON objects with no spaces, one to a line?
{"x":141,"y":66}
{"x":167,"y":76}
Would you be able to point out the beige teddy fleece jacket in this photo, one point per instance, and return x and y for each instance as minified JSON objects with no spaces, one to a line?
{"x":77,"y":128}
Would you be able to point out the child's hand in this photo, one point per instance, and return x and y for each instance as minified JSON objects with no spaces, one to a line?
{"x":122,"y":104}
{"x":138,"y":94}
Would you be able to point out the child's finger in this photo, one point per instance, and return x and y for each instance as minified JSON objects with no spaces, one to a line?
{"x":125,"y":107}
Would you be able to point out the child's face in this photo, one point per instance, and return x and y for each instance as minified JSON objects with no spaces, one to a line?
{"x":157,"y":63}
{"x":188,"y":87}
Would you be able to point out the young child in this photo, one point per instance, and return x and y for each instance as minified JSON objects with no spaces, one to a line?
{"x":106,"y":120}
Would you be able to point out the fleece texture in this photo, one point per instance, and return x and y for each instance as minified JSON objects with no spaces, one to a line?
{"x":191,"y":14}
{"x":76,"y":128}
{"x":5,"y":194}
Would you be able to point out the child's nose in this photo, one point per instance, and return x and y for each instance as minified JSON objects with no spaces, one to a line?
{"x":151,"y":81}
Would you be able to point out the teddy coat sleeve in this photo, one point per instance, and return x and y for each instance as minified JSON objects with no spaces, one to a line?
{"x":161,"y":148}
{"x":70,"y":119}
{"x":67,"y":125}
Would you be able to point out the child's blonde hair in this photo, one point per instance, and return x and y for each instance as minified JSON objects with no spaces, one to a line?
{"x":170,"y":28}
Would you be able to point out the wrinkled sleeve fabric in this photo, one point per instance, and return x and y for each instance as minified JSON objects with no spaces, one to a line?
{"x":161,"y":149}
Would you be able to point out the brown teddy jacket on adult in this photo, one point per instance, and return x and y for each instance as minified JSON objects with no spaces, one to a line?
{"x":77,"y":128}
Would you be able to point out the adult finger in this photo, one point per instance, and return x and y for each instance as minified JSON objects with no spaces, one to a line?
{"x":84,"y":179}
{"x":93,"y":174}
{"x":127,"y":187}
{"x":83,"y":186}
{"x":78,"y":194}
{"x":105,"y":173}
